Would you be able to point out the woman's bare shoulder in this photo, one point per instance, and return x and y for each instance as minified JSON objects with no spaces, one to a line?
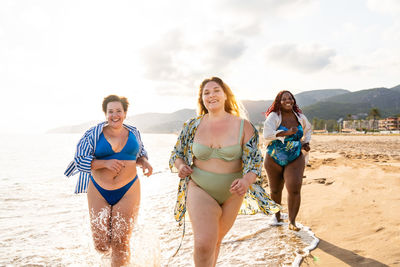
{"x":248,"y":130}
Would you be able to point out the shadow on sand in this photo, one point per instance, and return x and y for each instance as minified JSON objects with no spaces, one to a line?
{"x":349,"y":257}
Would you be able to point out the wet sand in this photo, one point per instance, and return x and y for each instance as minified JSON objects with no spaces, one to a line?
{"x":351,"y":200}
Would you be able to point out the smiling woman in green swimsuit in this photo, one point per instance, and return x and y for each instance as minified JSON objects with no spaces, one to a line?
{"x":218,"y":160}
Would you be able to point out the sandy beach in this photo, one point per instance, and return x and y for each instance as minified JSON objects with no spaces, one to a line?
{"x":351,"y":200}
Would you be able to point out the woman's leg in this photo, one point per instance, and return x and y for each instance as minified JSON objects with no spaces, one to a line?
{"x":100,"y":214}
{"x":276,"y":181}
{"x":293,"y":175}
{"x":230,"y":210}
{"x":123,"y":216}
{"x":205,"y":213}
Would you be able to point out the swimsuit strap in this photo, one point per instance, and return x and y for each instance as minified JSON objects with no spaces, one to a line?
{"x":241,"y":130}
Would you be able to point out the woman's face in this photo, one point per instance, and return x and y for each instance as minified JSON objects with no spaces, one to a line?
{"x":115,"y":114}
{"x":287,"y":102}
{"x":213,"y":96}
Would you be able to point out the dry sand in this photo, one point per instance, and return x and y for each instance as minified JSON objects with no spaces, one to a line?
{"x":351,"y":200}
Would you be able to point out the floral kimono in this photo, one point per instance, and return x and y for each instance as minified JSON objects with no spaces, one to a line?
{"x":255,"y":200}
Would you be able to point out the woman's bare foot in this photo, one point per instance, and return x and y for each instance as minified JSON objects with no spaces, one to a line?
{"x":278,"y":217}
{"x":293,"y":227}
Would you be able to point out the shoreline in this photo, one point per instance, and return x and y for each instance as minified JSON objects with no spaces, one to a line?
{"x":351,"y":200}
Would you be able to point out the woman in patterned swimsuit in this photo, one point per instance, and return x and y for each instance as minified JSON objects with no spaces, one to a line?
{"x":288,"y":131}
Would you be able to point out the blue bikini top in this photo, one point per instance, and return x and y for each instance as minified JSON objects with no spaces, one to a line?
{"x":129,"y":151}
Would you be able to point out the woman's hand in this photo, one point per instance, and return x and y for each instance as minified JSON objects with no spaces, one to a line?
{"x":147,"y":168}
{"x":114,"y":165}
{"x":145,"y":165}
{"x":239,"y":186}
{"x":184,"y":171}
{"x":292,"y":130}
{"x":305,"y":146}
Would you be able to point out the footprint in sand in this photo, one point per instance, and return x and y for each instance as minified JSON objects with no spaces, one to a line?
{"x":325,"y":181}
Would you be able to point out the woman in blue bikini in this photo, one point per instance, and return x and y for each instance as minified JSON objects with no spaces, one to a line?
{"x":288,"y":131}
{"x":106,"y":157}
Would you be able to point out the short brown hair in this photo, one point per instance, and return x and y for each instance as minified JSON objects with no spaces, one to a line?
{"x":115,"y":98}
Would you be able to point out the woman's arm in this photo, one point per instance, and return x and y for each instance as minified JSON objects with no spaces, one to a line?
{"x":145,"y":165}
{"x":142,"y":151}
{"x":179,"y":155}
{"x":307,"y":129}
{"x":271,"y":124}
{"x":183,"y":169}
{"x":291,"y":131}
{"x":251,"y":158}
{"x":84,"y":154}
{"x":114,"y":165}
{"x":240,"y":186}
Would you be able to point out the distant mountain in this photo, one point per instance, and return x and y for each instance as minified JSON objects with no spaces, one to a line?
{"x":334,"y":111}
{"x":311,"y":97}
{"x":396,"y":88}
{"x":386,"y":100}
{"x":256,"y":109}
{"x":161,"y":122}
{"x":323,"y":104}
{"x":78,"y":128}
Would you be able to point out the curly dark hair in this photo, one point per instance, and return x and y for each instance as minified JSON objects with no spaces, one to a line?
{"x":276,"y":105}
{"x":115,"y":98}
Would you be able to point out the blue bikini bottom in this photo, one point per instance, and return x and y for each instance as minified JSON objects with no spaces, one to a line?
{"x":113,"y":196}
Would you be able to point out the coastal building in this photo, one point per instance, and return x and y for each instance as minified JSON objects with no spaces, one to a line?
{"x":360,"y":124}
{"x":389,"y":124}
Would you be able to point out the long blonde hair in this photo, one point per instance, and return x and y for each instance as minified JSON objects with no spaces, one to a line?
{"x":232,"y":105}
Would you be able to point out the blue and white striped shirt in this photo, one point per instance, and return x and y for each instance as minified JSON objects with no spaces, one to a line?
{"x":84,"y":155}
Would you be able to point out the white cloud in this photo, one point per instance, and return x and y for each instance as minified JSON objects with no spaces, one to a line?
{"x":79,"y":51}
{"x":161,"y":58}
{"x":177,"y":61}
{"x":303,"y":58}
{"x":391,"y":7}
{"x":263,"y":8}
{"x":391,"y":35}
{"x":222,"y":51}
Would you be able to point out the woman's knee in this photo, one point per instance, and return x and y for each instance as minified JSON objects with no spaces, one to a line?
{"x":275,"y":190}
{"x":120,"y":245}
{"x":102,"y":241}
{"x":294,"y":189}
{"x":102,"y":246}
{"x":120,"y":239}
{"x":205,"y":246}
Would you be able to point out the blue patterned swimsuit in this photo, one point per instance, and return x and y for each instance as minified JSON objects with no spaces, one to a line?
{"x":289,"y":150}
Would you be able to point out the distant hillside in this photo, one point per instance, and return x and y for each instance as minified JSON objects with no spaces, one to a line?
{"x":161,"y":122}
{"x":386,"y":100}
{"x":146,"y":122}
{"x":339,"y":106}
{"x":396,"y":88}
{"x":311,"y":97}
{"x":78,"y":128}
{"x":323,"y":104}
{"x":256,"y":109}
{"x":334,"y":111}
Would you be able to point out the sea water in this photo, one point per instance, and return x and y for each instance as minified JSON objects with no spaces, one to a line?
{"x":43,"y":223}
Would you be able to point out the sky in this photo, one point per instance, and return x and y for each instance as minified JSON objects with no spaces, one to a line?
{"x":59,"y":59}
